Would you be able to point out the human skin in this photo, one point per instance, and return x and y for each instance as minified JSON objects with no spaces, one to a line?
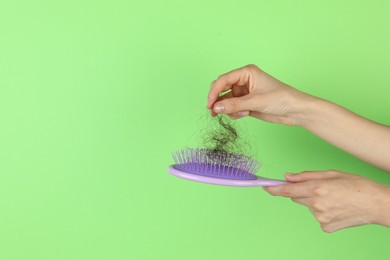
{"x":337,"y":200}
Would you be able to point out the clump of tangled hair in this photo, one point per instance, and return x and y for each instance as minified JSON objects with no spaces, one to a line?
{"x":223,"y":136}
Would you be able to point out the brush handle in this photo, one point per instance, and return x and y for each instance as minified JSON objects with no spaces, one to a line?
{"x":261,"y":181}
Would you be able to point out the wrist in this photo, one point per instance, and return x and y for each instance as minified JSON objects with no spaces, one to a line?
{"x":307,"y":109}
{"x":318,"y":112}
{"x":383,"y":207}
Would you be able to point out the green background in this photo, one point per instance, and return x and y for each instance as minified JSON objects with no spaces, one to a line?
{"x":95,"y":95}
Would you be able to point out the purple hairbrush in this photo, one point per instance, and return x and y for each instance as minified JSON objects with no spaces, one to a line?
{"x":218,"y":167}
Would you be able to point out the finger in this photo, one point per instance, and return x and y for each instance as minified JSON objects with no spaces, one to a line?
{"x":233,"y":116}
{"x":225,"y":82}
{"x":296,"y":190}
{"x":234,"y":93}
{"x":343,"y":223}
{"x":235,"y":104}
{"x":311,"y":175}
{"x":225,"y":96}
{"x":212,"y":113}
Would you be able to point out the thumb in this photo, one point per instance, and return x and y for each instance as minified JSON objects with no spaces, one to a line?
{"x":234,"y":105}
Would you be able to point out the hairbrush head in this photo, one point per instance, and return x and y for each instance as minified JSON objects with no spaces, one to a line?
{"x":218,"y":167}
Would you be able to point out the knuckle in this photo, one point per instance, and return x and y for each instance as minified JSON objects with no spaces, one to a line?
{"x":327,"y":228}
{"x":246,"y":70}
{"x":320,"y":191}
{"x":249,"y":69}
{"x":252,"y":67}
{"x":319,"y":206}
{"x":285,"y":192}
{"x":322,"y":219}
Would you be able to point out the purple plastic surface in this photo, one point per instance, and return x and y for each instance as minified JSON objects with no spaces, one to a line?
{"x":259,"y":181}
{"x":215,"y":163}
{"x":215,"y":171}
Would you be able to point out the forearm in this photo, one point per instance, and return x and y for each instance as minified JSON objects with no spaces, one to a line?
{"x":356,"y":135}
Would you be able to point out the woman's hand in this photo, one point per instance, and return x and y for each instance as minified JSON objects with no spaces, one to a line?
{"x":253,"y":92}
{"x":338,"y":200}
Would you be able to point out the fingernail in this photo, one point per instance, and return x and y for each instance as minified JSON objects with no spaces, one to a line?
{"x":218,"y":108}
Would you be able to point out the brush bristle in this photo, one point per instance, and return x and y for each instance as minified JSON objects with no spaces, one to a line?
{"x":216,"y":163}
